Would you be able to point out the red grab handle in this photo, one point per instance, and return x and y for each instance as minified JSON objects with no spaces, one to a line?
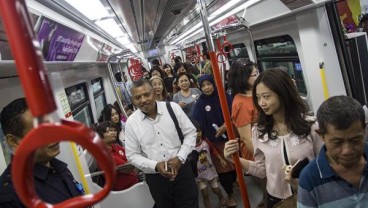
{"x":48,"y":133}
{"x":29,"y":64}
{"x":227,"y":43}
{"x":219,"y":56}
{"x":198,"y":50}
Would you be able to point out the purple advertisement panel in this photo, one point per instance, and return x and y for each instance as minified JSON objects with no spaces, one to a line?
{"x":58,"y":43}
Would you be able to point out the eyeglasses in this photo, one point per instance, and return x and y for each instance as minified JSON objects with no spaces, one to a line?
{"x":256,"y":73}
{"x":249,"y":63}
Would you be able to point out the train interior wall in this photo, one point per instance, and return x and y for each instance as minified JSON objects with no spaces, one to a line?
{"x":311,"y":33}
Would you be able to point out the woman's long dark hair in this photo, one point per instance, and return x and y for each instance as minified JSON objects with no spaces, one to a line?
{"x":106,"y":116}
{"x":157,"y":68}
{"x":239,"y":74}
{"x":295,"y":110}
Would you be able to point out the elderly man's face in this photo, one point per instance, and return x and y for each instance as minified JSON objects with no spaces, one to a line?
{"x":345,"y":147}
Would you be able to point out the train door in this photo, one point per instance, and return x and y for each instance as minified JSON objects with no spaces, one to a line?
{"x":239,"y":52}
{"x":358,"y":77}
{"x":280,"y":52}
{"x":80,"y":103}
{"x":98,"y":95}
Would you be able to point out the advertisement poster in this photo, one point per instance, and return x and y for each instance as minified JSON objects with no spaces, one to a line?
{"x":349,"y":12}
{"x":58,"y":43}
{"x":225,"y":22}
{"x":135,"y":69}
{"x":104,"y":53}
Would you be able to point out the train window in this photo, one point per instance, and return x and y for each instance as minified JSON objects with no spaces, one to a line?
{"x":5,"y":53}
{"x":79,"y":103}
{"x":239,"y":52}
{"x":98,"y":95}
{"x":280,"y":52}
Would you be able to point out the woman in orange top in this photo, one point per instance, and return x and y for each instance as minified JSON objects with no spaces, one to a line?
{"x":244,"y":114}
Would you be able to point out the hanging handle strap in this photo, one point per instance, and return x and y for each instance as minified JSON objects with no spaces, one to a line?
{"x":29,"y":64}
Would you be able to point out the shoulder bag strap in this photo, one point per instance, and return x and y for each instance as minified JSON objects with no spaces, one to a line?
{"x":287,"y":163}
{"x":173,"y":117}
{"x":285,"y":153}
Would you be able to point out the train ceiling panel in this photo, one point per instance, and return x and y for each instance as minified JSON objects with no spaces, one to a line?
{"x":150,"y":20}
{"x":146,"y":23}
{"x":295,"y":4}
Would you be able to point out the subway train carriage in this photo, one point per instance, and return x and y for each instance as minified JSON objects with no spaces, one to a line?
{"x":72,"y":59}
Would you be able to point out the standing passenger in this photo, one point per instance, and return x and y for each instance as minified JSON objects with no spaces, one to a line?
{"x":207,"y":68}
{"x":160,"y":90}
{"x":206,"y":170}
{"x":244,"y":114}
{"x":338,"y":177}
{"x":169,"y":79}
{"x":283,"y":135}
{"x":53,"y":181}
{"x":187,"y":96}
{"x":153,"y":146}
{"x":207,"y":111}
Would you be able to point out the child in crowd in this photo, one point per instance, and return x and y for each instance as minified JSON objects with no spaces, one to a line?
{"x":108,"y":132}
{"x":206,"y":170}
{"x":207,"y":111}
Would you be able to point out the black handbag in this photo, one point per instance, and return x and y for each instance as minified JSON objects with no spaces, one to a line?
{"x":193,"y":156}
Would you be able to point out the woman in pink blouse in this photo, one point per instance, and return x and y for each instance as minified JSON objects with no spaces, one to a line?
{"x":283,"y":135}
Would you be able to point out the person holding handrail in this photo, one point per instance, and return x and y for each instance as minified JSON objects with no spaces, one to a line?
{"x":283,"y":134}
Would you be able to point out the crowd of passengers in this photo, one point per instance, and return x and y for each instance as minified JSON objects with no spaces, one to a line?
{"x":273,"y":128}
{"x":272,"y":124}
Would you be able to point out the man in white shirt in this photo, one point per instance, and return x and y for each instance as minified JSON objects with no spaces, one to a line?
{"x":153,"y":145}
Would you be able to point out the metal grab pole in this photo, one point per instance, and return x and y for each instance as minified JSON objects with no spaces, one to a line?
{"x":244,"y":24}
{"x":223,"y":101}
{"x":113,"y":80}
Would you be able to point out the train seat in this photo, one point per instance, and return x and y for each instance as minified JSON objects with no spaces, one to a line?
{"x":137,"y":196}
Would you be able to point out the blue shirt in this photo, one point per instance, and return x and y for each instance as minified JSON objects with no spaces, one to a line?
{"x":53,"y":185}
{"x":320,"y":186}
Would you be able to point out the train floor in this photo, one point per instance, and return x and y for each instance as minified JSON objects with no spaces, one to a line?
{"x":255,"y":194}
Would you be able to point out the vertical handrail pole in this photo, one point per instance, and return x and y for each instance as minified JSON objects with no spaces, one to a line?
{"x":113,"y":81}
{"x":244,"y":24}
{"x":124,"y":82}
{"x":223,"y":101}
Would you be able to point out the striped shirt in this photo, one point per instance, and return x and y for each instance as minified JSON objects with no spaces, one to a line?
{"x":320,"y":186}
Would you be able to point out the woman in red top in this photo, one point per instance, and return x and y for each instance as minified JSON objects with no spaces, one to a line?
{"x":124,"y":179}
{"x":244,"y":114}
